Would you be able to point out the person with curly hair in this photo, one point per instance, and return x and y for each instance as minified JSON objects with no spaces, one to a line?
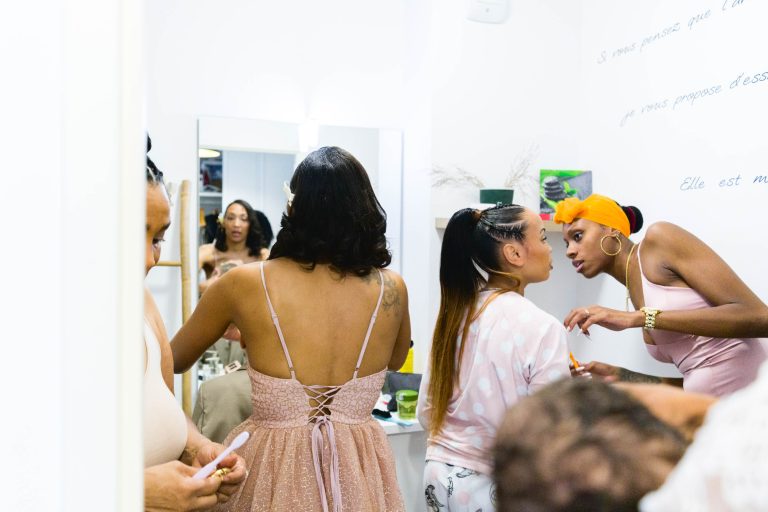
{"x":239,"y":239}
{"x":174,"y":450}
{"x":581,"y":445}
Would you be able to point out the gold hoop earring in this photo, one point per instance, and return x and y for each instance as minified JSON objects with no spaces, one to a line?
{"x":603,"y":248}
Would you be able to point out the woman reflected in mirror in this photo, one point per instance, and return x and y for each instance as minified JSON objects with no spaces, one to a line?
{"x":239,"y":240}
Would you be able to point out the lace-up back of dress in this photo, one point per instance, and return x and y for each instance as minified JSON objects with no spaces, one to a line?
{"x":323,"y":405}
{"x":320,"y":399}
{"x":288,"y":402}
{"x":349,"y":465}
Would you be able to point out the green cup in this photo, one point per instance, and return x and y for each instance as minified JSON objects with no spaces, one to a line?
{"x":406,"y":403}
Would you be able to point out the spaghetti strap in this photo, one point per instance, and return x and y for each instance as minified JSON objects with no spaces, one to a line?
{"x":639,"y":263}
{"x":325,"y":451}
{"x":275,"y":321}
{"x":370,"y":324}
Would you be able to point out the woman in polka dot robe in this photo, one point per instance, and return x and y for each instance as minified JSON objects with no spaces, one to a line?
{"x":491,"y":346}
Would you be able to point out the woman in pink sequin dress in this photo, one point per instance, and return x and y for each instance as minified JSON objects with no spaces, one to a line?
{"x":321,"y":321}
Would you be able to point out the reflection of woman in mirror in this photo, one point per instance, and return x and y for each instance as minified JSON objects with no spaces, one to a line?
{"x":321,"y":321}
{"x":491,"y":347}
{"x":694,"y":310}
{"x":239,"y":240}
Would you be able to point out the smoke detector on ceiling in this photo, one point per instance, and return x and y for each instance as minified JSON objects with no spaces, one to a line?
{"x":488,"y":11}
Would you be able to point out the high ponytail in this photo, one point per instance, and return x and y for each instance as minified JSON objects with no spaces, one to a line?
{"x":471,"y":240}
{"x":459,"y":282}
{"x":457,"y":272}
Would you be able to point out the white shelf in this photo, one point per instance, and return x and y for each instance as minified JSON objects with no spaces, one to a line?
{"x":549,"y":225}
{"x":210,"y":194}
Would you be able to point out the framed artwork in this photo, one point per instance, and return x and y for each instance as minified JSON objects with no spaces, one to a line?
{"x":556,"y":185}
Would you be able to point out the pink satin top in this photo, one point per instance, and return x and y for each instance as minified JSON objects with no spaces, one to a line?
{"x":715,"y":366}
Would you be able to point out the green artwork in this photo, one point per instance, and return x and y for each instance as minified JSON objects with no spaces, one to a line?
{"x":556,"y":185}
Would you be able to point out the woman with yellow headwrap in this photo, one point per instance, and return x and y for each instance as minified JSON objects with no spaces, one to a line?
{"x":693,"y":309}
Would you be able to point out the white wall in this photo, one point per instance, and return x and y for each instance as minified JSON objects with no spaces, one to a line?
{"x":636,"y":56}
{"x":74,"y":196}
{"x":500,"y":89}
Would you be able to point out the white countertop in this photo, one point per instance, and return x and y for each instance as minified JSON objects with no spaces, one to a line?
{"x":393,"y":428}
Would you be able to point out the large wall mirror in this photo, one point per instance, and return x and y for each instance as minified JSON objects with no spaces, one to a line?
{"x":251,"y":159}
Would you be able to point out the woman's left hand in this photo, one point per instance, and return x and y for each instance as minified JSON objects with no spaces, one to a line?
{"x":612,"y":319}
{"x":234,"y":462}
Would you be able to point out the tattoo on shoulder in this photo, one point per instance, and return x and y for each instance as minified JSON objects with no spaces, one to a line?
{"x":370,"y":277}
{"x":630,"y":376}
{"x":391,"y":299}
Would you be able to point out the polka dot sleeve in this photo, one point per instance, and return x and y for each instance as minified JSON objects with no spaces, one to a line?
{"x":551,"y":359}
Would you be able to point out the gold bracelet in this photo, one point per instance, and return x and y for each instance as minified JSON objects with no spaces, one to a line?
{"x":650,"y":317}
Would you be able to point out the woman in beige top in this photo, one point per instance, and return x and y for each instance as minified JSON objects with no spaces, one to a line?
{"x":173,"y":448}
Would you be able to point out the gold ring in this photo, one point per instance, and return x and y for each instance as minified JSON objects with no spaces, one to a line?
{"x":221,"y":473}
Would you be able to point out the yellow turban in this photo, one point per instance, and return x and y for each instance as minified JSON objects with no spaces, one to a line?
{"x":596,"y":208}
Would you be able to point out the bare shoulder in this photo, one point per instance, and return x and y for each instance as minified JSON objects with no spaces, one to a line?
{"x":242,"y":275}
{"x":153,"y":317}
{"x":151,"y":312}
{"x":660,"y":232}
{"x":392,"y":277}
{"x":395,"y":293}
{"x":394,"y":281}
{"x":668,"y":237}
{"x":205,"y":253}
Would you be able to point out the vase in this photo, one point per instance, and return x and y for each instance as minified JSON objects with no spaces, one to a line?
{"x":497,"y":195}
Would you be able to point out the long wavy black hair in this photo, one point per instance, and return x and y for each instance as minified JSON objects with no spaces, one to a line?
{"x":255,"y":239}
{"x":334,"y":217}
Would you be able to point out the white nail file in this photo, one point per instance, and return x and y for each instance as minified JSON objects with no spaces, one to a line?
{"x":209,"y":468}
